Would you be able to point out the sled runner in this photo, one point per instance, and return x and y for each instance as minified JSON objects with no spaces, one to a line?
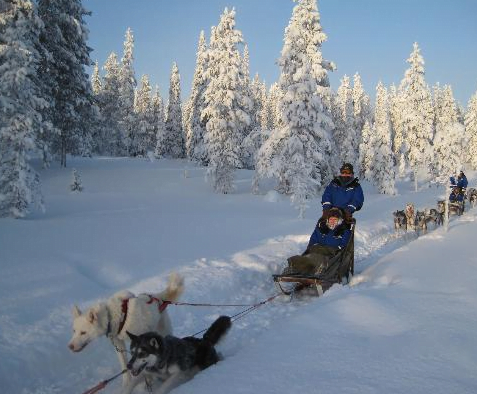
{"x":339,"y":269}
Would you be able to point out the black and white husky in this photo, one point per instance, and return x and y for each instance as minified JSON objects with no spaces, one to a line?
{"x":173,"y":360}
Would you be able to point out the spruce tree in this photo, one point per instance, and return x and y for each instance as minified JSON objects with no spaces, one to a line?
{"x":96,"y":84}
{"x":344,"y":135}
{"x":299,"y":152}
{"x":448,"y":140}
{"x":127,"y":86}
{"x":417,"y":115}
{"x":76,"y":185}
{"x":21,"y":121}
{"x":361,"y":113}
{"x":65,"y":37}
{"x":383,"y":158}
{"x":144,"y":138}
{"x":111,"y":137}
{"x":173,"y":145}
{"x":226,"y":104}
{"x":158,"y":124}
{"x":195,"y":126}
{"x":366,"y":159}
{"x":274,"y":97}
{"x":470,"y":122}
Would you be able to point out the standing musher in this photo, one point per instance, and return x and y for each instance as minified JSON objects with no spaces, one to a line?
{"x":343,"y":192}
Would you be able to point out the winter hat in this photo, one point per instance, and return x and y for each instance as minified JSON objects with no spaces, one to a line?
{"x":347,"y":168}
{"x":335,"y":212}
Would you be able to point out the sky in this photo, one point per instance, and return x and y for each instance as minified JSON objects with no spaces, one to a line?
{"x":371,"y":37}
{"x":405,"y":323}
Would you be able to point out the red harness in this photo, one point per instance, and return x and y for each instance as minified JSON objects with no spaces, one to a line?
{"x":124,"y":309}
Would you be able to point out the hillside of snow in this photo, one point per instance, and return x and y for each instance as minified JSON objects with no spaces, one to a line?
{"x":405,"y":324}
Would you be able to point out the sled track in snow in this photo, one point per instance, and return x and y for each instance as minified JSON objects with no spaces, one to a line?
{"x":245,"y":278}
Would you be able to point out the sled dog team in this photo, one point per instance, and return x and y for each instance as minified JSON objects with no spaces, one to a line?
{"x":410,"y":219}
{"x":156,"y":355}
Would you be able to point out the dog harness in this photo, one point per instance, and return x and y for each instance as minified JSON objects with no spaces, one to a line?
{"x":124,"y":311}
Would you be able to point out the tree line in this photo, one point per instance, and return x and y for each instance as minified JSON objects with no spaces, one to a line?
{"x":298,"y":131}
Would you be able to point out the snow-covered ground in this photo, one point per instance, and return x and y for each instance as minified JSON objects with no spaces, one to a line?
{"x":406,"y":324}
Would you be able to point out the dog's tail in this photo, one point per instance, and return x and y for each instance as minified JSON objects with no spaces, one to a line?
{"x":174,"y":289}
{"x":217,"y":330}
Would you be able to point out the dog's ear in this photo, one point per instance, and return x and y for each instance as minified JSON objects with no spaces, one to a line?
{"x":154,"y":343}
{"x":76,"y":311}
{"x":92,"y":316}
{"x":132,"y":337}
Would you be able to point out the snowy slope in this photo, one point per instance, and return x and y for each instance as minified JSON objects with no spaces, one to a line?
{"x":406,"y":324}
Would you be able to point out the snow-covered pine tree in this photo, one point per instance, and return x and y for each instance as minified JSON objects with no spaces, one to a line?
{"x":21,"y":102}
{"x":361,"y":104}
{"x":110,"y":141}
{"x":314,"y":37}
{"x":384,"y":173}
{"x":263,"y":115}
{"x":274,"y":97}
{"x":195,"y":127}
{"x":305,"y":123}
{"x":361,"y":113}
{"x":144,"y":138}
{"x":76,"y":184}
{"x":298,"y":154}
{"x":96,"y":84}
{"x":448,"y":149}
{"x":97,"y":89}
{"x":127,"y":86}
{"x":249,"y":91}
{"x":158,"y":123}
{"x":399,"y":145}
{"x":253,"y":140}
{"x":366,"y":160}
{"x":173,"y":145}
{"x":225,"y":111}
{"x":65,"y":37}
{"x":417,"y":115}
{"x":344,"y":134}
{"x":470,"y":122}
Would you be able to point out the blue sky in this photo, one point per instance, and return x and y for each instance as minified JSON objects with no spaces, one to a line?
{"x":372,"y":37}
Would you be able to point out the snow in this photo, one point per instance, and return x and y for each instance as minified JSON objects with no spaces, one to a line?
{"x":405,"y":324}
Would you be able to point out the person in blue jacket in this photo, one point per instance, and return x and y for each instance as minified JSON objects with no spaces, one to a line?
{"x":458,"y":187}
{"x":328,"y":238}
{"x":343,"y":192}
{"x":462,"y":180}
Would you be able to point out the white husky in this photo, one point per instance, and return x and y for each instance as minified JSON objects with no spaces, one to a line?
{"x":125,"y":312}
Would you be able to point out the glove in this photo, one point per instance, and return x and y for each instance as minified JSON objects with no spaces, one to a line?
{"x":348,"y":216}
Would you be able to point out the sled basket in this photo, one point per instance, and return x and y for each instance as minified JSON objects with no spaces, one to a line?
{"x":340,"y":266}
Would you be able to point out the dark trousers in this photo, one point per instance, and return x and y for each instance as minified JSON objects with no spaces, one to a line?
{"x":314,"y":262}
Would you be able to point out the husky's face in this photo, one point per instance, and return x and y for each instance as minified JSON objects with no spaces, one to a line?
{"x":145,"y":352}
{"x":86,"y":327}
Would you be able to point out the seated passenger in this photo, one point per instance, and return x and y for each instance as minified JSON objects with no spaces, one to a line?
{"x":457,"y":195}
{"x":329,"y":236}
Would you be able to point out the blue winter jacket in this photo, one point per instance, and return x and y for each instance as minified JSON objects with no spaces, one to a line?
{"x":461,"y":182}
{"x":337,"y":238}
{"x":348,"y":196}
{"x":456,"y":198}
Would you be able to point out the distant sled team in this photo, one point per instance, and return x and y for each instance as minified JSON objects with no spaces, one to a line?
{"x":411,"y":219}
